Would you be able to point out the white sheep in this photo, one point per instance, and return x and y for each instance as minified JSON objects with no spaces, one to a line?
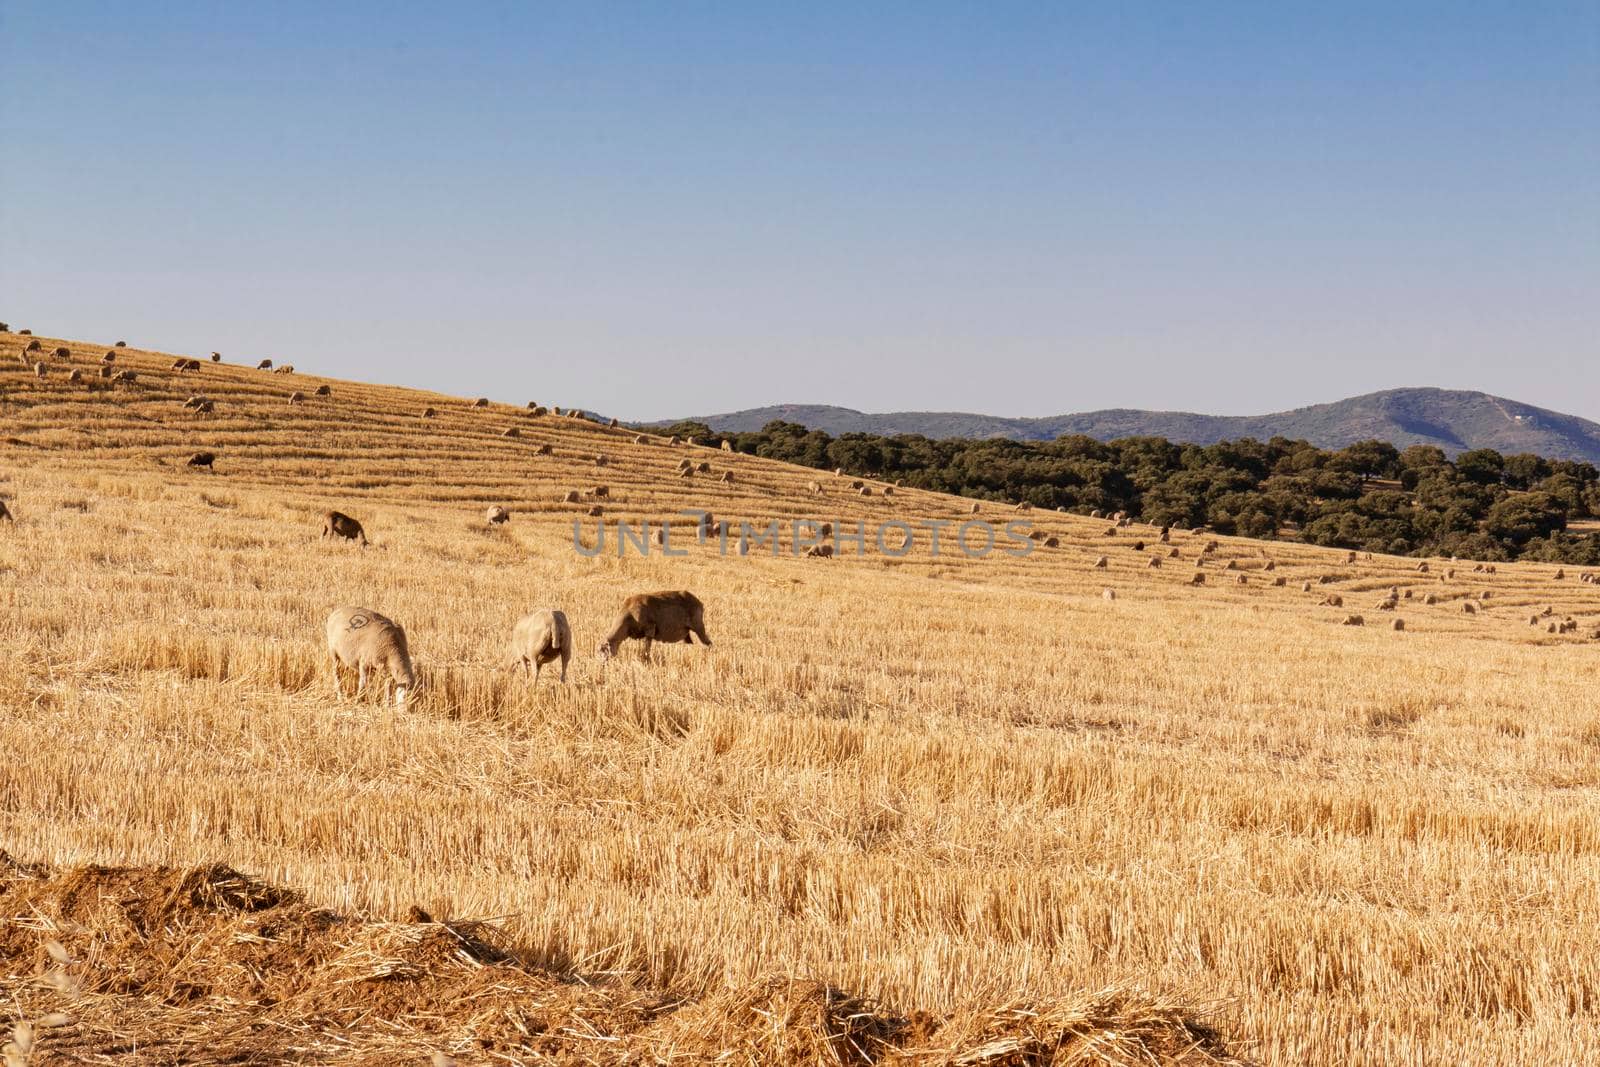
{"x":367,"y":641}
{"x":541,"y":637}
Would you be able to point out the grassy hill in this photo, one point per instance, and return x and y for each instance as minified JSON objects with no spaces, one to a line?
{"x":1453,"y":420}
{"x":904,"y":810}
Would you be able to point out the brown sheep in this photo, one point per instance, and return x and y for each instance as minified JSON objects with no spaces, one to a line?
{"x":600,"y":492}
{"x":1350,"y":558}
{"x":125,"y":376}
{"x":820,"y":551}
{"x":1109,"y":531}
{"x":61,"y":353}
{"x":544,"y":450}
{"x":324,"y":390}
{"x":1280,"y":581}
{"x":669,"y":616}
{"x":973,"y":510}
{"x":1398,"y":624}
{"x":538,"y":638}
{"x":596,"y":511}
{"x":1173,"y":553}
{"x":888,"y":490}
{"x":1052,"y":542}
{"x":1422,"y":568}
{"x":1155,"y":561}
{"x":613,"y":424}
{"x":339,"y":526}
{"x":265,"y":364}
{"x":538,"y":413}
{"x":686,"y":472}
{"x":179,"y":364}
{"x":1354,"y":620}
{"x":1231,"y":565}
{"x":121,"y":344}
{"x":106,"y":372}
{"x":1243,"y":579}
{"x":640,"y":439}
{"x":571,"y":497}
{"x":1333,"y":600}
{"x":1305,"y":587}
{"x":203,"y":459}
{"x":1198,"y":579}
{"x":496,"y":516}
{"x":1166,"y":535}
{"x":216,"y":357}
{"x":366,"y":641}
{"x":727,"y":478}
{"x":1271,"y":565}
{"x":75,"y":376}
{"x":1101,"y":563}
{"x":34,"y":346}
{"x":865,"y":490}
{"x":510,"y":431}
{"x":205,"y":407}
{"x":297,"y":397}
{"x":856,"y":484}
{"x":5,"y":513}
{"x":1024,"y":506}
{"x":1560,"y":574}
{"x":600,"y":459}
{"x":481,"y":402}
{"x":1468,"y":608}
{"x":109,"y":357}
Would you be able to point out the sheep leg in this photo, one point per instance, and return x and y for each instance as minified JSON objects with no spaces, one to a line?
{"x":699,"y":631}
{"x":338,"y":686}
{"x":361,"y":680}
{"x":537,"y":667}
{"x":645,"y":655}
{"x":566,"y":654}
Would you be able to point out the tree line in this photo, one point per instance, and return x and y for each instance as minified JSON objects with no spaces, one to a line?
{"x":1369,"y":496}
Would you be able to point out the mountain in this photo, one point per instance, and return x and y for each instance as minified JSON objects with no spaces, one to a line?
{"x":1454,"y":420}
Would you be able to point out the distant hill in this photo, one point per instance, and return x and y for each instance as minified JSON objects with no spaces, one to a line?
{"x":1454,"y":420}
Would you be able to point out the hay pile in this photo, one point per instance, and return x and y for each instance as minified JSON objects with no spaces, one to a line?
{"x":207,"y":966}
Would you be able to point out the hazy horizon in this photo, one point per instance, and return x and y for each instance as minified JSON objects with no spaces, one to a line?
{"x":1019,"y":210}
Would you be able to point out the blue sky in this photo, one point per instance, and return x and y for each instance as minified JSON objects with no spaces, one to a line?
{"x":662,"y":209}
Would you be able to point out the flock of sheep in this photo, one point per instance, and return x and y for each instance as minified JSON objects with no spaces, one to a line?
{"x":367,"y":642}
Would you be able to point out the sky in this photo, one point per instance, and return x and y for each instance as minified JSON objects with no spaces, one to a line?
{"x":652,"y":210}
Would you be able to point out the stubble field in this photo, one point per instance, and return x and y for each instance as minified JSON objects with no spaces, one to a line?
{"x":974,"y":793}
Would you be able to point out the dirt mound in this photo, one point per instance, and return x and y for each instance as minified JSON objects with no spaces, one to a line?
{"x":208,"y":966}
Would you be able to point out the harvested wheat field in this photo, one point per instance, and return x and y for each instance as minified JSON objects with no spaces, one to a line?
{"x":917,"y":809}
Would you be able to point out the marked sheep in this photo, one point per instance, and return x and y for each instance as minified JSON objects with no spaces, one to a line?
{"x":668,"y":616}
{"x":341,"y":527}
{"x":428,"y":413}
{"x":324,"y":390}
{"x":364,"y":640}
{"x":973,"y":510}
{"x":640,"y":439}
{"x":203,"y":459}
{"x":538,"y":638}
{"x":265,"y":364}
{"x":496,"y":515}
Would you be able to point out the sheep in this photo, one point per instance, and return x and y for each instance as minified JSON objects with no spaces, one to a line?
{"x":888,"y":490}
{"x":1108,"y":594}
{"x":600,"y":460}
{"x":669,"y":616}
{"x":1166,"y":535}
{"x":1198,"y":579}
{"x":121,"y":344}
{"x":856,"y":484}
{"x":1095,"y":513}
{"x":596,"y":511}
{"x":206,"y":407}
{"x":324,"y":390}
{"x":1477,"y":568}
{"x":820,"y":551}
{"x":179,"y":364}
{"x":481,"y":402}
{"x":341,"y":527}
{"x":973,"y":510}
{"x":640,"y":439}
{"x":297,"y":397}
{"x":40,"y":370}
{"x":496,"y":515}
{"x":544,"y":450}
{"x":1398,"y":624}
{"x":1210,"y":547}
{"x":1388,"y":604}
{"x":287,"y":368}
{"x":1333,"y":600}
{"x":510,"y":431}
{"x":1468,"y":608}
{"x":1024,"y":506}
{"x":203,"y":459}
{"x":825,"y":530}
{"x":194,"y":401}
{"x":265,"y":364}
{"x":366,"y":641}
{"x":1231,"y":565}
{"x":1305,"y":587}
{"x":613,"y":424}
{"x":1271,"y":565}
{"x":427,"y":413}
{"x":1052,"y":541}
{"x":105,"y":372}
{"x":1109,"y":531}
{"x":109,"y":357}
{"x":1155,"y":562}
{"x":1488,"y":568}
{"x":1485,"y":595}
{"x":727,"y":478}
{"x":814,"y":488}
{"x":865,"y":490}
{"x":125,"y":376}
{"x":538,"y":638}
{"x":727,"y":446}
{"x":62,"y":353}
{"x":1280,"y":581}
{"x":686,"y":472}
{"x":34,"y":345}
{"x":539,"y":413}
{"x":1350,"y":558}
{"x":25,"y":333}
{"x":75,"y":376}
{"x":1243,"y":579}
{"x":1430,"y":600}
{"x":600,"y":492}
{"x":216,"y":357}
{"x":571,"y":497}
{"x":1560,"y":574}
{"x":1101,"y":563}
{"x":685,"y":464}
{"x":1173,"y":553}
{"x":673,"y":440}
{"x":838,"y":472}
{"x":1354,"y":620}
{"x":1422,"y":568}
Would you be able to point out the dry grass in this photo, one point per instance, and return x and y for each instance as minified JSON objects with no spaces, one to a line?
{"x":940,"y":786}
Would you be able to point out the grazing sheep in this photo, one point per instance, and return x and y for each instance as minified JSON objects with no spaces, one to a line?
{"x":481,"y":402}
{"x":287,"y":368}
{"x":428,"y":413}
{"x":1155,"y":561}
{"x":1350,"y":558}
{"x":1422,"y":568}
{"x":539,"y":413}
{"x":1102,"y":563}
{"x":324,"y":390}
{"x":544,"y":450}
{"x":25,"y":333}
{"x":206,"y":407}
{"x":669,"y":616}
{"x":857,"y":484}
{"x":685,"y":464}
{"x":1210,"y":547}
{"x":366,"y":641}
{"x":34,"y":345}
{"x":1398,"y":624}
{"x":75,"y":376}
{"x":727,"y":478}
{"x":888,"y":490}
{"x":1243,"y":579}
{"x":673,"y":440}
{"x":1354,"y":620}
{"x":1108,"y":594}
{"x":601,"y":492}
{"x":1198,"y":579}
{"x":1547,"y":612}
{"x":865,"y":490}
{"x":1533,"y":620}
{"x":1280,"y":581}
{"x":686,"y":472}
{"x":1095,"y":514}
{"x":496,"y":515}
{"x":61,"y":353}
{"x":1024,"y":506}
{"x":106,"y":372}
{"x":640,"y":439}
{"x":973,"y":510}
{"x":600,"y":460}
{"x":297,"y":397}
{"x":1430,"y":600}
{"x":815,"y":488}
{"x":1270,"y":566}
{"x":510,"y":431}
{"x":1488,"y":568}
{"x":1333,"y":600}
{"x":179,"y":364}
{"x":596,"y":511}
{"x":339,"y":526}
{"x":820,"y":551}
{"x":571,"y":497}
{"x":1468,"y":608}
{"x":216,"y":357}
{"x":1388,"y":604}
{"x":109,"y":357}
{"x":1305,"y":587}
{"x":1408,"y":594}
{"x":538,"y":638}
{"x":613,"y":424}
{"x":203,"y":459}
{"x":121,"y":344}
{"x":1166,"y":535}
{"x":1485,"y":595}
{"x":1109,"y":531}
{"x":1173,"y":553}
{"x":265,"y":364}
{"x":1231,"y":565}
{"x":1052,"y":541}
{"x":1477,"y":568}
{"x":125,"y":376}
{"x":1560,"y":574}
{"x":1449,"y":574}
{"x":826,"y":530}
{"x":727,"y":446}
{"x":40,"y":370}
